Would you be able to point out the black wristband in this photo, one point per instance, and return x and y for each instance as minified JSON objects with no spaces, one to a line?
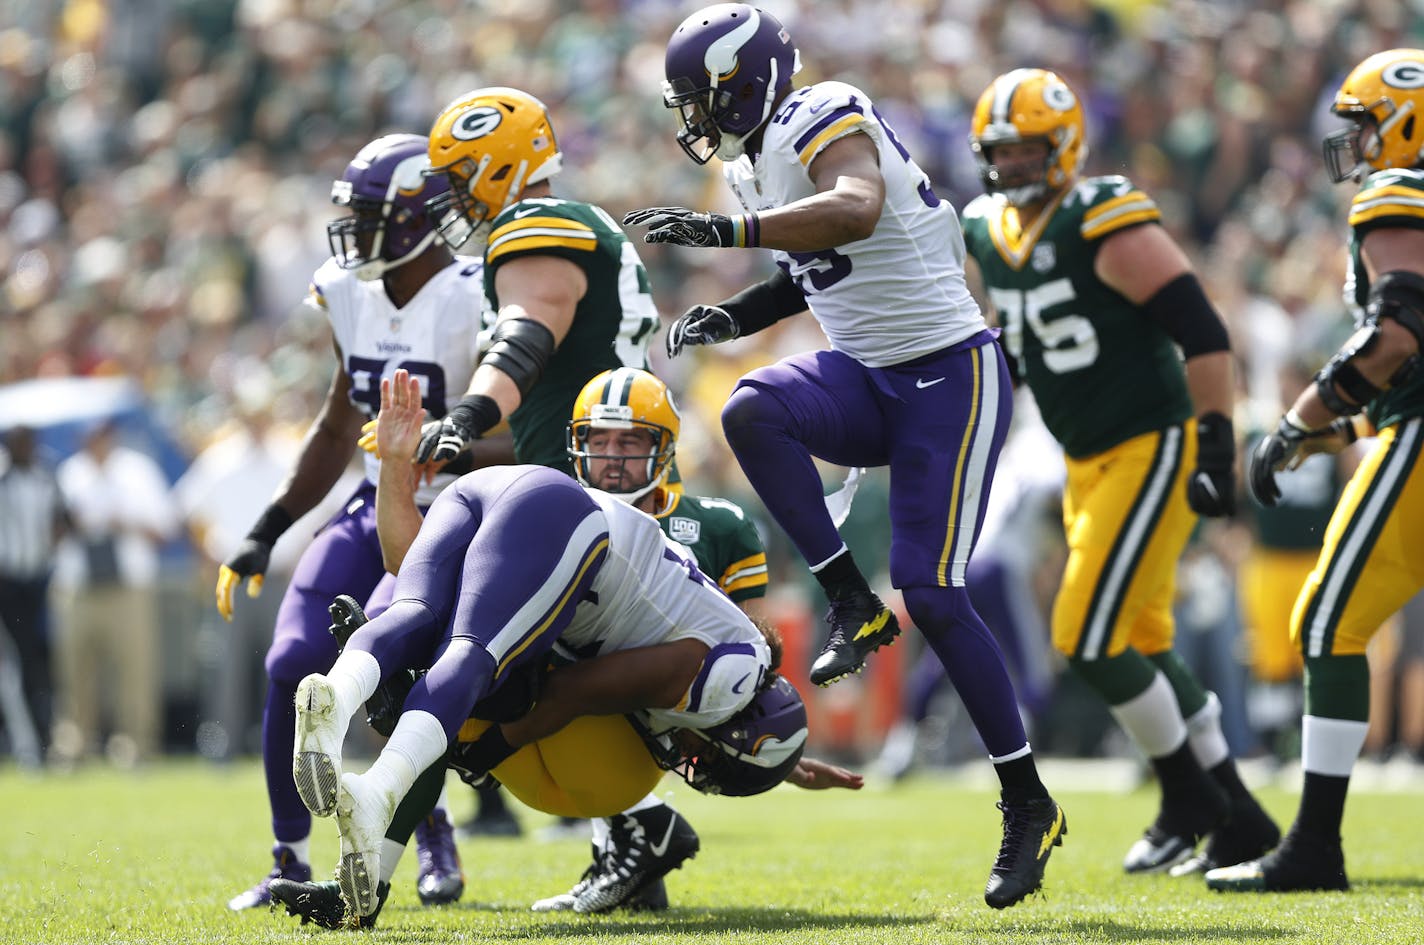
{"x":765,"y":303}
{"x":274,"y":521}
{"x":479,"y":412}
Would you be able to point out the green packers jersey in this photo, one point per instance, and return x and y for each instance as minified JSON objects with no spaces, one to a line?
{"x":722,"y":538}
{"x":612,"y":325}
{"x":1101,"y":370}
{"x":1392,"y":199}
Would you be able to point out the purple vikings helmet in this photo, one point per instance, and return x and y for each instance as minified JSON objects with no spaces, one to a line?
{"x":724,"y":66}
{"x":751,"y":752}
{"x":386,"y":188}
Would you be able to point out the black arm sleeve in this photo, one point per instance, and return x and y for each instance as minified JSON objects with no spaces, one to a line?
{"x":765,"y":303}
{"x":1188,"y":317}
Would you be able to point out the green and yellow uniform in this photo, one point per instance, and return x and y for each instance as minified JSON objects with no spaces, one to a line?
{"x":1372,"y":561}
{"x":612,"y":325}
{"x":722,"y":538}
{"x":1110,"y":385}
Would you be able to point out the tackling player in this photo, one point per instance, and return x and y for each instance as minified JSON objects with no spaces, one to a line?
{"x":1094,"y":298}
{"x":1372,"y":560}
{"x":912,"y":380}
{"x":395,"y":298}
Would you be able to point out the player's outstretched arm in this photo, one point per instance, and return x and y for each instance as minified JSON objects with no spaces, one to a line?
{"x":398,"y":430}
{"x":816,"y":775}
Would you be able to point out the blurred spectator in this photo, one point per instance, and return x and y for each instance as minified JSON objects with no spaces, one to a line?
{"x":32,"y":520}
{"x":109,"y":631}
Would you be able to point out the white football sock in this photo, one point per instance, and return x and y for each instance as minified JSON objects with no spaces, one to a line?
{"x":416,"y":744}
{"x":391,"y":852}
{"x":301,"y":849}
{"x":1153,"y":719}
{"x":1204,"y":731}
{"x":1331,"y":746}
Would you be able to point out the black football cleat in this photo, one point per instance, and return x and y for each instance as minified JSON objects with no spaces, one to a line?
{"x":321,"y":903}
{"x":642,"y":848}
{"x":1248,"y":834}
{"x":346,"y":618}
{"x":1186,"y":816}
{"x":1300,"y":864}
{"x":860,"y":625}
{"x":1031,"y":830}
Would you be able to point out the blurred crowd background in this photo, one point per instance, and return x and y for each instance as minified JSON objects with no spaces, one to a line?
{"x":165,"y":167}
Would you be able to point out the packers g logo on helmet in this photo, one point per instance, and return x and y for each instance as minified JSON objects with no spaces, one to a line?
{"x":625,"y":399}
{"x":1029,"y":105}
{"x":1382,"y":98}
{"x":490,"y":144}
{"x":476,"y":123}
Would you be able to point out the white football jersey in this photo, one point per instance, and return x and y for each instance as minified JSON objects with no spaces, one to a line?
{"x":897,"y":294}
{"x":650,"y":591}
{"x":435,"y":337}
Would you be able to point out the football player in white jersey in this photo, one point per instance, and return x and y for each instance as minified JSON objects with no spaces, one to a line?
{"x":396,"y":298}
{"x":510,"y":563}
{"x":913,"y":379}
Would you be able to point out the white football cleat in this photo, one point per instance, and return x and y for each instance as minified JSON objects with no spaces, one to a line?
{"x":316,"y":758}
{"x":363,"y":814}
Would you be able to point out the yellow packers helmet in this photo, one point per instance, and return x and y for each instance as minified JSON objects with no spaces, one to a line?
{"x":625,"y":399}
{"x":491,"y":144}
{"x":1382,"y":98}
{"x":1027,"y":105}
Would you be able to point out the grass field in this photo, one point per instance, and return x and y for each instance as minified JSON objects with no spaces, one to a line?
{"x":100,"y":856}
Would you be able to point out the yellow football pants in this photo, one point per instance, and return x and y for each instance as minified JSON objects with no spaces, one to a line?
{"x":1270,"y":581}
{"x":1126,"y":518}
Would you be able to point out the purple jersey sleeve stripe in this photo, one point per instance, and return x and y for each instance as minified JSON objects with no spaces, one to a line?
{"x":830,"y":119}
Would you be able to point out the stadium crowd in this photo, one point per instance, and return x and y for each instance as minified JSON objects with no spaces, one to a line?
{"x":165,"y":173}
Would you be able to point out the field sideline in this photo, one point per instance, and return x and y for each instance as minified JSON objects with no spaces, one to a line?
{"x":100,"y":856}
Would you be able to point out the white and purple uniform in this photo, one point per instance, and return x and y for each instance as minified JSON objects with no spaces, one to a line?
{"x":434,"y":336}
{"x":912,"y":381}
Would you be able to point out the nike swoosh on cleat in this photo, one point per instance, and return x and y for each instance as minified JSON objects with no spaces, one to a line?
{"x":1050,"y":834}
{"x":872,"y":626}
{"x":660,"y":848}
{"x":921,"y":383}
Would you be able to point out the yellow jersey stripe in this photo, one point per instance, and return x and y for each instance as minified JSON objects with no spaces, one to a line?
{"x":1388,"y":190}
{"x":1116,"y":203}
{"x":1366,"y":211}
{"x":523,"y":242}
{"x":541,"y":223}
{"x":809,"y":152}
{"x":1121,"y":220}
{"x":1015,"y":244}
{"x":741,"y":584}
{"x":969,"y":429}
{"x":554,"y":611}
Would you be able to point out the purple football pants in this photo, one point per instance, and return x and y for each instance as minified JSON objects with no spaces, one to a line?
{"x":938,"y":422}
{"x":344,"y":558}
{"x":501,"y":564}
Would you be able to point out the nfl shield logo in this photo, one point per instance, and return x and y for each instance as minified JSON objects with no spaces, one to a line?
{"x":685,"y":530}
{"x":395,"y":324}
{"x":1044,"y":257}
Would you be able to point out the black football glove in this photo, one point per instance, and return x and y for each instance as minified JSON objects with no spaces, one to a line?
{"x":683,"y":227}
{"x":701,"y":325}
{"x":1272,"y":454}
{"x":443,"y":440}
{"x":1211,"y":490}
{"x":251,"y":559}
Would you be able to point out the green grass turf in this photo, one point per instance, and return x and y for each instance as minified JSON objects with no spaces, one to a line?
{"x":102,"y":856}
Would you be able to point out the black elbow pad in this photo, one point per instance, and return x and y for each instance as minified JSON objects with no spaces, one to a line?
{"x":1187,"y":316}
{"x":521,"y":347}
